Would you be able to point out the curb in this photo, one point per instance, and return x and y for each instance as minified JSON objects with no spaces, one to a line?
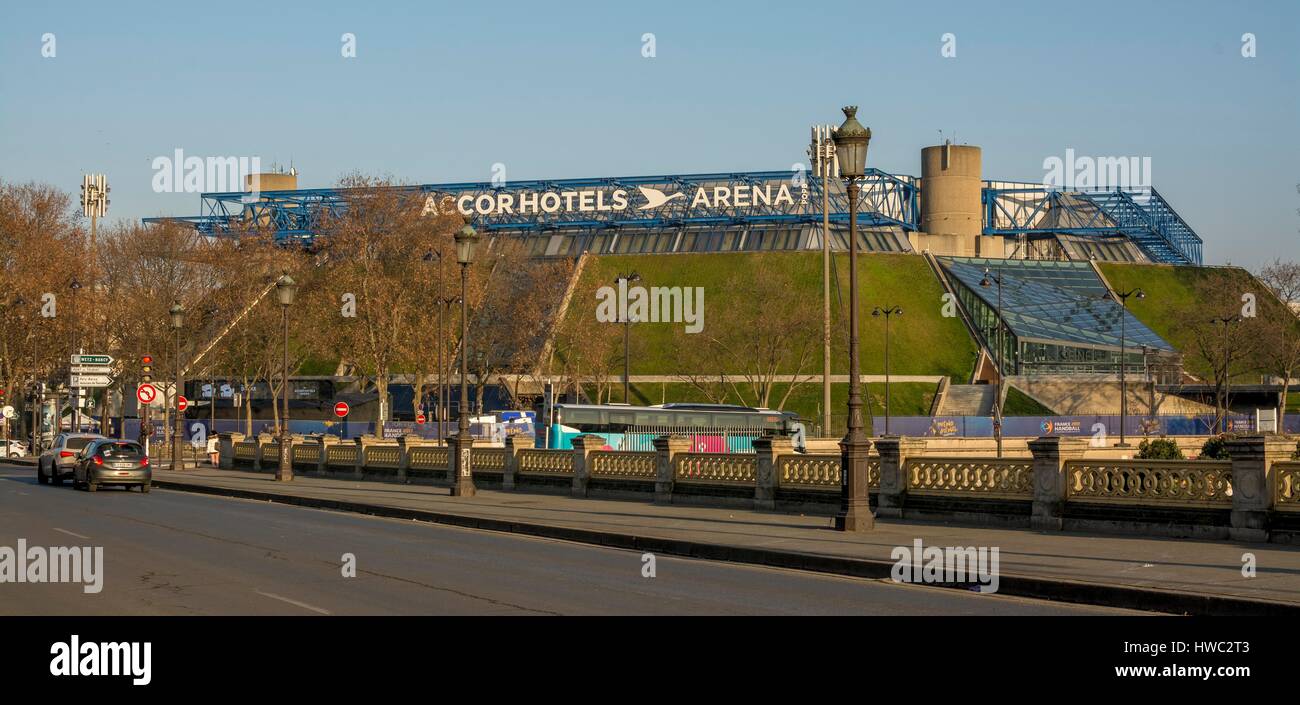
{"x":1059,"y":590}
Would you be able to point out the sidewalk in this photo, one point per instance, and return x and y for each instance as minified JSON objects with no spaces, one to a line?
{"x":1168,"y":575}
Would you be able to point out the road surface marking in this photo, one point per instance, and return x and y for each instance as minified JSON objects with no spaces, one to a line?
{"x":70,"y":533}
{"x":303,"y":605}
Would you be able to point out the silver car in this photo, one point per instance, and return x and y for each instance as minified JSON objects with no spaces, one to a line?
{"x":59,"y":461}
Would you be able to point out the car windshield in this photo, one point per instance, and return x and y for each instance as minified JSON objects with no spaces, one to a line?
{"x":78,"y":443}
{"x":117,"y":450}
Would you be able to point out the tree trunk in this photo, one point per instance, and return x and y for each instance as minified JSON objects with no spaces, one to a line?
{"x":1281,"y":407}
{"x":381,"y":385}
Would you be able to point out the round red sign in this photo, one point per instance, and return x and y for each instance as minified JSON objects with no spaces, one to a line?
{"x":420,"y":419}
{"x":182,"y":403}
{"x":341,"y":409}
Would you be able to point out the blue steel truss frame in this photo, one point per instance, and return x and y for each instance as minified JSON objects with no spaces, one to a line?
{"x":1142,"y":215}
{"x":886,"y":200}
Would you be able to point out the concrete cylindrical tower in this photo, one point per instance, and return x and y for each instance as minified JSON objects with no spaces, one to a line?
{"x":950,"y":198}
{"x":272,"y":181}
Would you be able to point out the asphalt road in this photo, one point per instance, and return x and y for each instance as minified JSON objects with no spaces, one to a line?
{"x":176,"y":553}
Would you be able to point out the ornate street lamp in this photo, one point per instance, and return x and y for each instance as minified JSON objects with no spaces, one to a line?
{"x":851,"y":141}
{"x":178,"y":428}
{"x":1123,"y":361}
{"x":462,"y":482}
{"x":623,"y":280}
{"x":887,"y":312}
{"x":285,"y":288}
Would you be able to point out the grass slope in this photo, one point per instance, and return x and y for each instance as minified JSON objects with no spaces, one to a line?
{"x":1170,"y":290}
{"x":922,"y":340}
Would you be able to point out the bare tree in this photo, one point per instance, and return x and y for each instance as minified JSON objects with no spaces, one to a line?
{"x":372,"y":250}
{"x":767,"y":335}
{"x":1280,"y":345}
{"x":1220,"y":352}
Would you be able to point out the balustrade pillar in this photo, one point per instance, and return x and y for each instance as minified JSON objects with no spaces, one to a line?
{"x":404,"y":444}
{"x":666,"y":448}
{"x":362,"y":443}
{"x":769,"y":449}
{"x":1253,"y":483}
{"x":582,"y":448}
{"x":1050,"y":455}
{"x":322,"y":463}
{"x":514,"y":444}
{"x":894,"y":452}
{"x":226,"y":449}
{"x":263,"y":439}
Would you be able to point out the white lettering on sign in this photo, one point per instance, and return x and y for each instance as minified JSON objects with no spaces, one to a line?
{"x":503,"y":202}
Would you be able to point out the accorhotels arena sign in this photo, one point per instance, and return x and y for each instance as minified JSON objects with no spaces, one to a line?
{"x":502,"y":202}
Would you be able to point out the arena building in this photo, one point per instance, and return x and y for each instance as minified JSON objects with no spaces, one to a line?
{"x":1052,"y":315}
{"x":949,"y":210}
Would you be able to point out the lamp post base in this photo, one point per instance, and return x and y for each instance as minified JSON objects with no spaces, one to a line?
{"x":284,"y":473}
{"x":462,"y":471}
{"x":855,"y":504}
{"x":857,"y":518}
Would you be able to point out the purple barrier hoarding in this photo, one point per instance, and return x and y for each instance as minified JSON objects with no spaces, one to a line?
{"x":1034,"y":426}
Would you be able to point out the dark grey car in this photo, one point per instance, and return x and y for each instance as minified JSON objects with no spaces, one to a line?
{"x":113,"y":462}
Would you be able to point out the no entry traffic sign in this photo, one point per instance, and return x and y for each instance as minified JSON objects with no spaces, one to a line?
{"x":146,"y":393}
{"x":182,"y":403}
{"x":341,"y":409}
{"x":420,"y":418}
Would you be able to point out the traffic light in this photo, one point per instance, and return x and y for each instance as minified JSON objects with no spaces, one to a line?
{"x":146,"y":368}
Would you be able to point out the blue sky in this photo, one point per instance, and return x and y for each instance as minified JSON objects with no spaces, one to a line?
{"x":442,"y":91}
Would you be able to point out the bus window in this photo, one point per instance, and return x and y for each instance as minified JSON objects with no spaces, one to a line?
{"x":620,"y":422}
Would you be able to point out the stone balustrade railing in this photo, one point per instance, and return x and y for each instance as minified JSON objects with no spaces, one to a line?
{"x":546,"y":462}
{"x":1174,"y":483}
{"x":1250,"y":497}
{"x":1287,"y":498}
{"x":982,"y":477}
{"x":717,"y":468}
{"x":623,"y":464}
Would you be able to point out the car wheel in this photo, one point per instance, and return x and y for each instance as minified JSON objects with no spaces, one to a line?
{"x":145,"y":488}
{"x":41,"y":477}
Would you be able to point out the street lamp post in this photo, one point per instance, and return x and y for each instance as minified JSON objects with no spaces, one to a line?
{"x":444,"y":393}
{"x":178,"y":429}
{"x":285,"y":288}
{"x":74,"y":394}
{"x":1123,"y":359}
{"x":851,"y":142}
{"x":33,"y":449}
{"x":1227,"y":322}
{"x":462,"y":482}
{"x":988,"y":280}
{"x":887,"y":313}
{"x":18,"y":303}
{"x":429,"y":257}
{"x":623,"y":280}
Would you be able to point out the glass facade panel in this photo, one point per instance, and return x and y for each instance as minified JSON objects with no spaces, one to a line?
{"x":1056,"y":317}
